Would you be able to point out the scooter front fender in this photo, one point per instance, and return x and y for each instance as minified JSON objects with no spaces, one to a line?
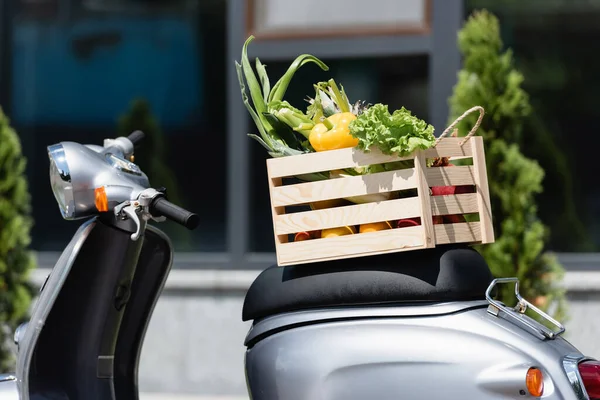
{"x":8,"y":387}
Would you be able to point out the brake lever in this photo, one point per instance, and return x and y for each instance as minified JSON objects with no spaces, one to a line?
{"x":130,"y":209}
{"x":127,"y":210}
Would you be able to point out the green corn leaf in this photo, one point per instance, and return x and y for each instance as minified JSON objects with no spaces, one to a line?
{"x":276,"y":149}
{"x":253,"y":114}
{"x":264,"y":79}
{"x":253,"y":85}
{"x":261,"y":141}
{"x":255,"y":90}
{"x":285,"y":150}
{"x":282,"y":84}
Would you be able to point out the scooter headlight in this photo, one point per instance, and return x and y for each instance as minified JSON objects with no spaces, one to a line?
{"x":87,"y":180}
{"x":60,"y":180}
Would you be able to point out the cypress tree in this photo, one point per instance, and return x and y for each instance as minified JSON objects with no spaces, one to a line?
{"x":489,"y":78}
{"x":16,"y":259}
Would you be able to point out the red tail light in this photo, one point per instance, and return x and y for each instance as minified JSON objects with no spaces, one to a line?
{"x":590,"y":373}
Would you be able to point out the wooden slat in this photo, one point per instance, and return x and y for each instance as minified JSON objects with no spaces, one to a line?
{"x":449,"y":147}
{"x":424,"y":201}
{"x":336,"y":188}
{"x":456,"y":233}
{"x":347,"y":215}
{"x":449,"y":176}
{"x":372,"y":212}
{"x":350,"y":245}
{"x":275,"y":211}
{"x":483,"y":191}
{"x":327,"y":161}
{"x":282,"y":167}
{"x":454,"y":204}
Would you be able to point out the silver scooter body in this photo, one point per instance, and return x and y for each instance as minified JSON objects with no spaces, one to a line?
{"x":449,"y":351}
{"x":348,"y":342}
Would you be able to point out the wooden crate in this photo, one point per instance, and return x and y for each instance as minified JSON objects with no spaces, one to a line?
{"x":284,"y":196}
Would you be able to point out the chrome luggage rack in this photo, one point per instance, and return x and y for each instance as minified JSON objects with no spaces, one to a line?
{"x":517,"y":315}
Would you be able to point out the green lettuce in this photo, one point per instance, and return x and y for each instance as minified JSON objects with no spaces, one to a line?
{"x":399,"y":133}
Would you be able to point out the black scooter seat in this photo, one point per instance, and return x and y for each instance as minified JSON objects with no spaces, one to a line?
{"x":445,"y":273}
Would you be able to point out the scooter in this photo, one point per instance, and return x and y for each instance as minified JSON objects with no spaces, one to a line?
{"x":85,"y":334}
{"x":412,"y":325}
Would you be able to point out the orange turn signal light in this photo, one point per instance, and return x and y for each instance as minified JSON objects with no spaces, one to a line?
{"x":535,"y":382}
{"x":101,"y":199}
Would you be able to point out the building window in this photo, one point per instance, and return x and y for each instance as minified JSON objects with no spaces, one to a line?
{"x":73,"y":78}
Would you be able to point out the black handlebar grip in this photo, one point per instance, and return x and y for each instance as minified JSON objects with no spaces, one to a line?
{"x":136,"y":137}
{"x":162,"y":206}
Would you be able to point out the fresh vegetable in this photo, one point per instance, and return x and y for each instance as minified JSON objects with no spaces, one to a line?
{"x":292,"y":117}
{"x":275,"y":137}
{"x":454,"y":219}
{"x":329,"y":99}
{"x":406,"y":222}
{"x":450,"y":190}
{"x":444,"y":162}
{"x":330,"y":122}
{"x":375,"y":226}
{"x":437,"y":219}
{"x":341,"y":231}
{"x":300,"y":236}
{"x":397,"y":133}
{"x":278,"y":121}
{"x":442,"y":190}
{"x":333,"y":133}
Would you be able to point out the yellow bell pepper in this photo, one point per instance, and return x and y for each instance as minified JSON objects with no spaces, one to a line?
{"x":332,"y":232}
{"x":375,"y":226}
{"x":333,"y":133}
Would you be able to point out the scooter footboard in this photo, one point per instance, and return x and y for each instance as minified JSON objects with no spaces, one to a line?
{"x":463,"y":354}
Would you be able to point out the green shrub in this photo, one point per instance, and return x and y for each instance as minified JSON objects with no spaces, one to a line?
{"x":16,"y":259}
{"x":488,"y":78}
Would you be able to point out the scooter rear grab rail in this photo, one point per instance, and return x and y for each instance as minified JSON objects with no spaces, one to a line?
{"x":517,"y":315}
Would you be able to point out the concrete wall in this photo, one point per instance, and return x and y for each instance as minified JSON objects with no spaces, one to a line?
{"x":583,"y":326}
{"x":194,"y":344}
